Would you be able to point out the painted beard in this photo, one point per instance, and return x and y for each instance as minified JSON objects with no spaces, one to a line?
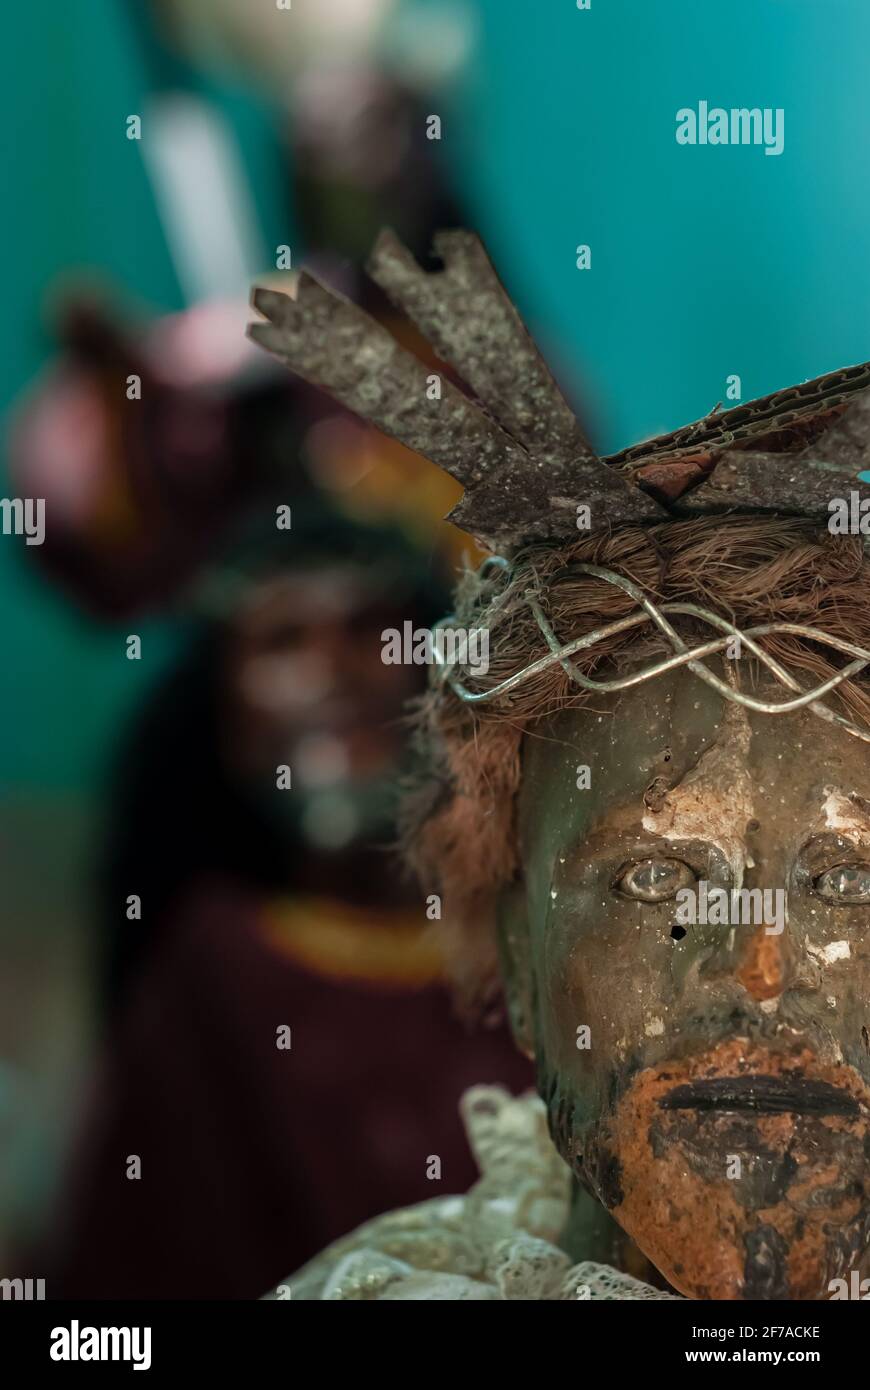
{"x":740,"y":1172}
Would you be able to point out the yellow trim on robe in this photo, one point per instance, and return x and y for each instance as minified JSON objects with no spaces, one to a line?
{"x":390,"y":947}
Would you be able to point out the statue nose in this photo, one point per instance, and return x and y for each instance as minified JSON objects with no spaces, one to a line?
{"x":766,"y":967}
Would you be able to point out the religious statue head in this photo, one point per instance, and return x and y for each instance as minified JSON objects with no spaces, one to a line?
{"x":647,"y":817}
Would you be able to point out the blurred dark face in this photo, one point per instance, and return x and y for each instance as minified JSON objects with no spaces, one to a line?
{"x":306,"y":685}
{"x":719,"y":1103}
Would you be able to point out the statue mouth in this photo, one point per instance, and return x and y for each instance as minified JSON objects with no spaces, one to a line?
{"x":741,"y":1172}
{"x":764,"y":1095}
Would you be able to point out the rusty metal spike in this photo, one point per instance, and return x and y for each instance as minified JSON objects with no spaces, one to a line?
{"x":541,"y":503}
{"x":467,"y":315}
{"x":511,"y":495}
{"x":788,"y":484}
{"x":333,"y":344}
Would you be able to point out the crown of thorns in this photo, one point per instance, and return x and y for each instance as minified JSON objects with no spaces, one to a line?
{"x":651,"y":612}
{"x":509,"y":436}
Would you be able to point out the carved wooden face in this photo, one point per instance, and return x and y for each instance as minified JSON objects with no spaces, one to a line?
{"x":704,"y":1054}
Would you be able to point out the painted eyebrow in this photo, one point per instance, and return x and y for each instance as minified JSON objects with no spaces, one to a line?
{"x":827,"y":845}
{"x":607,"y":839}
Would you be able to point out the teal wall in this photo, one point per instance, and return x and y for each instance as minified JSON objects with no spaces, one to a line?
{"x":706,"y":261}
{"x":78,"y":199}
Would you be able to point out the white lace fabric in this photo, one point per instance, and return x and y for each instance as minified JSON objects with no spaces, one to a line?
{"x":497,"y":1242}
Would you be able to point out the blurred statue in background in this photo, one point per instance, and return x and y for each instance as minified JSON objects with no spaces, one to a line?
{"x":649,"y":819}
{"x":262,"y":908}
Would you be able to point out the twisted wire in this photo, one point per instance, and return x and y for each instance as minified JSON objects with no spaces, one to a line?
{"x":683,"y":655}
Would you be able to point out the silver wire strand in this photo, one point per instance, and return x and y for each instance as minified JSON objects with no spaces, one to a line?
{"x":683,"y":655}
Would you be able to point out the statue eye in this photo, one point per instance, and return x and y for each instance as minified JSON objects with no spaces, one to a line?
{"x":654,"y":880}
{"x":847,"y":884}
